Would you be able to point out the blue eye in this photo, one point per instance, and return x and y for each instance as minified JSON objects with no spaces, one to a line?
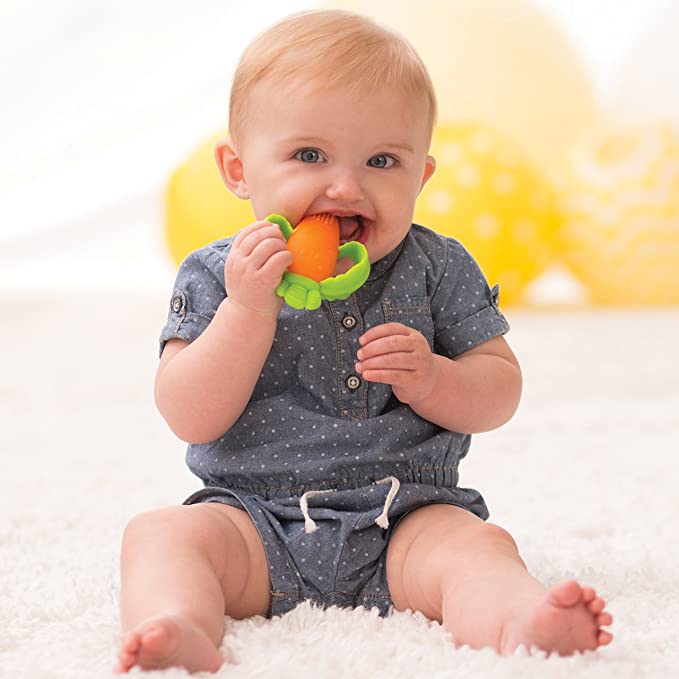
{"x":309,"y":156}
{"x":382,"y":161}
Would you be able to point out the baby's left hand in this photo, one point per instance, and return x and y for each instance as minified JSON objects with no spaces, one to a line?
{"x":393,"y":353}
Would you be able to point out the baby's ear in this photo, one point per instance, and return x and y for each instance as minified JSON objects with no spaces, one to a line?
{"x":231,"y":168}
{"x":429,"y":168}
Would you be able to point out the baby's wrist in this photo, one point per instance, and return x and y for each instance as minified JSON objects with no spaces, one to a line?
{"x":428,"y":385}
{"x":256,"y":312}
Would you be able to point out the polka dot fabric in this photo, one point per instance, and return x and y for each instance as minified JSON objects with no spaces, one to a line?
{"x":313,"y":423}
{"x":343,"y":563}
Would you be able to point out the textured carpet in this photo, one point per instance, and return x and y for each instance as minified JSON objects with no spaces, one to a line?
{"x":585,"y":477}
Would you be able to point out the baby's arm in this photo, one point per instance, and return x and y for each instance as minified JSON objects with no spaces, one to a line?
{"x":202,"y":388}
{"x":477,"y":391}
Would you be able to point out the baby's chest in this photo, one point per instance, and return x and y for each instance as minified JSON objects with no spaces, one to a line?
{"x":313,"y":354}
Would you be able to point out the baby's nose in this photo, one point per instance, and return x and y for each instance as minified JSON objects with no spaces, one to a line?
{"x":345,"y":187}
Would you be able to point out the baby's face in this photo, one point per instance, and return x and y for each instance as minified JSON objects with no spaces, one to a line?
{"x":306,"y":151}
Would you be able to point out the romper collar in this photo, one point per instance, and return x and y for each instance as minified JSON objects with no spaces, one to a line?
{"x":381,"y":266}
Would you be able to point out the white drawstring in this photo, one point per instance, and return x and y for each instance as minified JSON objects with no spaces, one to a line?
{"x":309,"y":524}
{"x":382,"y":520}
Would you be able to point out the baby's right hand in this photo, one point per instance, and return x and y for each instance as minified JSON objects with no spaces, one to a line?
{"x":255,"y":265}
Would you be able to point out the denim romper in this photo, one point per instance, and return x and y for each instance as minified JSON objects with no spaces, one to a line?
{"x":324,"y":462}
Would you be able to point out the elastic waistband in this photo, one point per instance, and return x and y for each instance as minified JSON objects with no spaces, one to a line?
{"x":439,"y":477}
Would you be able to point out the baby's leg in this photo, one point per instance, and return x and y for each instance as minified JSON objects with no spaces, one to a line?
{"x":182,"y":568}
{"x":447,"y":563}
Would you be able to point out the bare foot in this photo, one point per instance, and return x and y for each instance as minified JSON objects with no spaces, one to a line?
{"x":566,"y":619}
{"x":170,"y":641}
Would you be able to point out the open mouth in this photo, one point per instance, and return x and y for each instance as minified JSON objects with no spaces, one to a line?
{"x":354,"y":227}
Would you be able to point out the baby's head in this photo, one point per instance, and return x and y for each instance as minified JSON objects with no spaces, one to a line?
{"x":331,"y":49}
{"x":331,"y":112}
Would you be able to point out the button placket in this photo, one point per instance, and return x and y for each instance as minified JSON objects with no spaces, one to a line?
{"x":349,"y":321}
{"x":353,"y":382}
{"x":352,"y":389}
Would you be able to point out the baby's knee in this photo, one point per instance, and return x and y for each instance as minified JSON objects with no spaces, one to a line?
{"x":157,"y":524}
{"x":497,"y":537}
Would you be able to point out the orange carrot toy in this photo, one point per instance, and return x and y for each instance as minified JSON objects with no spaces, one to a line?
{"x":315,"y":248}
{"x":314,"y":244}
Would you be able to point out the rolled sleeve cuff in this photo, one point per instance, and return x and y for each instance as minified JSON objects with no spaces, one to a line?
{"x":480,"y":327}
{"x":181,"y":324}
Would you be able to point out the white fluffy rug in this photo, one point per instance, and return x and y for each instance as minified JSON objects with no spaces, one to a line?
{"x":585,"y":477}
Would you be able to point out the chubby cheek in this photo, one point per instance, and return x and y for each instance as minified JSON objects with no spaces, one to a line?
{"x":387,"y":235}
{"x":273,"y":192}
{"x":261,"y":210}
{"x":270,"y":204}
{"x":260,"y":198}
{"x":290,"y":201}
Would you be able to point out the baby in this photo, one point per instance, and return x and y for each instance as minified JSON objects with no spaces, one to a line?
{"x":328,"y":441}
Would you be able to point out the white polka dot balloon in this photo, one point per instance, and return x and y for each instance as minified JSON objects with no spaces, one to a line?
{"x":620,"y":235}
{"x":488,"y":195}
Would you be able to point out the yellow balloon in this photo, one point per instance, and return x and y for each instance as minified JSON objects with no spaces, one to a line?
{"x":487,"y":194}
{"x":500,"y":63}
{"x":198,"y":207}
{"x":620,"y":234}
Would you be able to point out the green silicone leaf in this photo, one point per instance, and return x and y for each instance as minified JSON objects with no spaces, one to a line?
{"x":283,"y":224}
{"x":299,"y":292}
{"x":345,"y":284}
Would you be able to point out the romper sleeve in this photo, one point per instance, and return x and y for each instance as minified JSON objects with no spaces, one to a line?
{"x":464,"y":308}
{"x":198,"y":292}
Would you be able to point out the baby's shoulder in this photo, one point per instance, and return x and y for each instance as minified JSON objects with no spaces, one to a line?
{"x":206,"y":261}
{"x":433,"y":249}
{"x":216,"y":249}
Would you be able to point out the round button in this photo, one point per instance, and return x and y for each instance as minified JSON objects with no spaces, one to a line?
{"x":353,"y":382}
{"x":349,"y":321}
{"x":177,"y":304}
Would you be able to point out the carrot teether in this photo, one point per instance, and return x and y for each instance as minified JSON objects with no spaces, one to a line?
{"x":315,"y":248}
{"x":314,"y":244}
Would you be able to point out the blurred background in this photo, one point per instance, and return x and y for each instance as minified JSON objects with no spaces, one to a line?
{"x":557,"y":143}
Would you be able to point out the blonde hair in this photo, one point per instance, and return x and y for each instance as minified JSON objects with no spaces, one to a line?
{"x":330,"y":48}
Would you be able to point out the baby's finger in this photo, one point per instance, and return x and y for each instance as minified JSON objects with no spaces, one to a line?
{"x":384,"y":345}
{"x":263,"y":251}
{"x":253,"y":239}
{"x":393,"y":377}
{"x":243,"y":234}
{"x":383,"y":330}
{"x":276,"y":265}
{"x":396,"y":361}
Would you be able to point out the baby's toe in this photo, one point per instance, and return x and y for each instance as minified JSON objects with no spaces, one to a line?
{"x":588,"y":594}
{"x":566,"y":594}
{"x":596,"y":606}
{"x":604,"y":638}
{"x":125,"y":662}
{"x":604,"y":619}
{"x":131,"y":642}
